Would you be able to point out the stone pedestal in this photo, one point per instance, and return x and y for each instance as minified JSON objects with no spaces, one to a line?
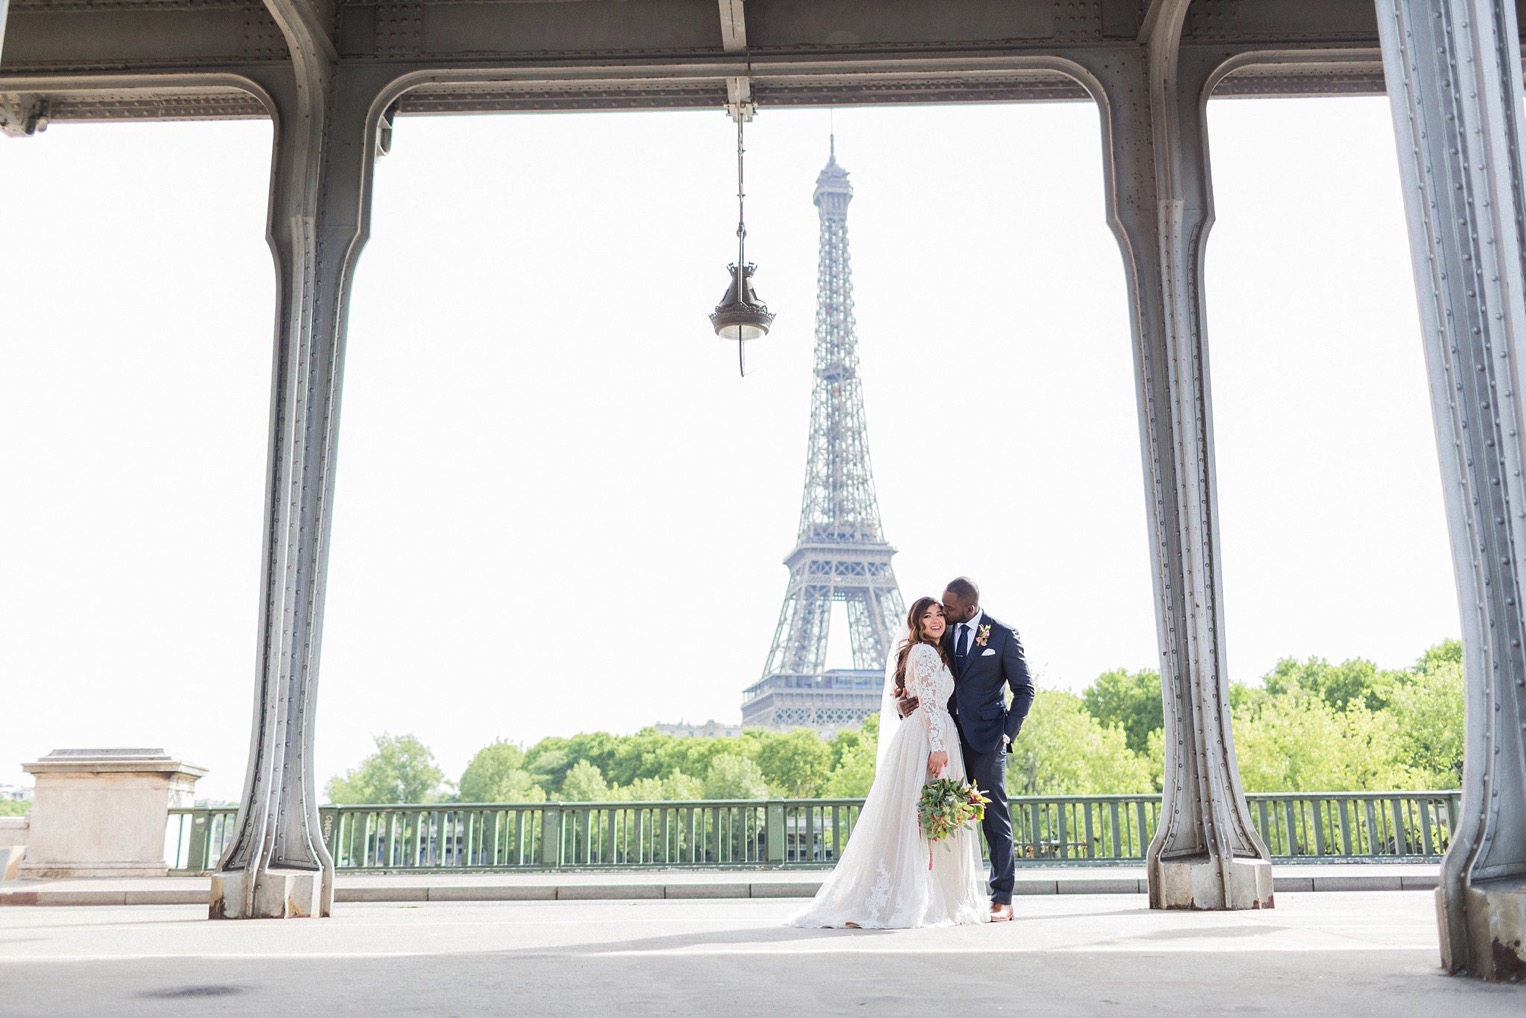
{"x":277,"y":894}
{"x":1199,"y":882}
{"x":1495,"y":915}
{"x":103,"y":812}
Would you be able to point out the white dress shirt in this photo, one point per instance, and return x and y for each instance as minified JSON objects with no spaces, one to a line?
{"x":970,"y":647}
{"x":969,"y":641}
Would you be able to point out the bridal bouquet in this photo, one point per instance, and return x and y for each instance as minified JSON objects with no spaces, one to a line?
{"x":947,"y":805}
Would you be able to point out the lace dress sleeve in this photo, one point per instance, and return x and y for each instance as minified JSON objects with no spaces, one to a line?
{"x":921,"y":680}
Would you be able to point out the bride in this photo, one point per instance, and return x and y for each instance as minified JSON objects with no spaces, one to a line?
{"x":883,"y":880}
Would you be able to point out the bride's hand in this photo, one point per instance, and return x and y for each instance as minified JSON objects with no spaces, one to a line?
{"x":936,"y":762}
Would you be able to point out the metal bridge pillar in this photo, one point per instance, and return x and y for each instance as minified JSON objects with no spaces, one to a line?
{"x":20,"y":115}
{"x":1206,"y":853}
{"x":276,"y":864}
{"x":1453,"y":69}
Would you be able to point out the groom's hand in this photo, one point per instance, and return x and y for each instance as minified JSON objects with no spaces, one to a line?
{"x":906,"y":704}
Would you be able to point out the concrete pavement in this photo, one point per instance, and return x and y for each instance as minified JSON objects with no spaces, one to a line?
{"x":1316,"y":953}
{"x":665,"y":884}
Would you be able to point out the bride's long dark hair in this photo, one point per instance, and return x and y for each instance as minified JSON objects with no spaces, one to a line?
{"x":915,"y":634}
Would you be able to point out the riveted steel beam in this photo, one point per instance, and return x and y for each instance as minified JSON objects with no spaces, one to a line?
{"x":841,"y":52}
{"x":22,"y":114}
{"x":327,"y":118}
{"x":1206,"y":853}
{"x":734,"y":40}
{"x":1454,"y":82}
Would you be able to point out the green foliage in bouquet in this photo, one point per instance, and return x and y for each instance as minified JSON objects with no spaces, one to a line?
{"x":947,"y":805}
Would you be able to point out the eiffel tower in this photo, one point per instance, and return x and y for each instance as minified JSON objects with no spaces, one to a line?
{"x":841,"y":554}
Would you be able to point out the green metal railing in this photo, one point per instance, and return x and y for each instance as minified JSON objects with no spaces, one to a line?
{"x":808,"y":833}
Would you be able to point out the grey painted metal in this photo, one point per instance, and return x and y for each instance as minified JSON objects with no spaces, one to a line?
{"x":1206,"y":853}
{"x":1454,"y":82}
{"x":1076,"y":830}
{"x":734,"y":40}
{"x":22,"y":116}
{"x":19,"y":115}
{"x":276,"y":864}
{"x":598,"y":54}
{"x":841,"y":553}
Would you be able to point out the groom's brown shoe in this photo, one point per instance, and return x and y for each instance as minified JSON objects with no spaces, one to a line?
{"x":1000,"y":913}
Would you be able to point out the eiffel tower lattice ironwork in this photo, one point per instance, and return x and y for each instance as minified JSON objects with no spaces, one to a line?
{"x":841,"y":554}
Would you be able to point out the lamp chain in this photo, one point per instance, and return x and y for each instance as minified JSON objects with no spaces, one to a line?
{"x":741,"y":240}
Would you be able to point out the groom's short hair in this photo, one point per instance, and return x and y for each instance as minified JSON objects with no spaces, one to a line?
{"x":964,"y":589}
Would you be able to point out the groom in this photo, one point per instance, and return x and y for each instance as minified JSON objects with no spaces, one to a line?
{"x":987,"y":660}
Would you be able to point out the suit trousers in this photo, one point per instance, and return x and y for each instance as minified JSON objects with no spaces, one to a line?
{"x":989,"y":773}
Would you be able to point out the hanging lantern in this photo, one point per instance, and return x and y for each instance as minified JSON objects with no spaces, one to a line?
{"x":740,"y":315}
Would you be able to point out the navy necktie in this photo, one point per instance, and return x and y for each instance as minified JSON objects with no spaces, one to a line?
{"x":962,"y":646}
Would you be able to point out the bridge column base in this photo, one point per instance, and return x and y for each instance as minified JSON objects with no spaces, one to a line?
{"x":1208,"y":884}
{"x":276,"y":894}
{"x":1495,"y":948}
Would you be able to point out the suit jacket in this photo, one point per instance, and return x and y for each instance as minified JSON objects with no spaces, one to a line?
{"x":992,"y":665}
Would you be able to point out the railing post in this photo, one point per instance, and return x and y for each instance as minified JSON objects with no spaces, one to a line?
{"x":774,"y":838}
{"x":196,"y":852}
{"x":551,"y":836}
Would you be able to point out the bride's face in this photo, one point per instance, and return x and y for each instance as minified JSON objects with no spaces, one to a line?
{"x":933,"y":623}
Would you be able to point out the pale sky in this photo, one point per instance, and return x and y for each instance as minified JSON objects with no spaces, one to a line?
{"x":558,"y":507}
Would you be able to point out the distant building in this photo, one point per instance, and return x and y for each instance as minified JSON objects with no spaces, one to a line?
{"x":16,"y":793}
{"x":709,"y":730}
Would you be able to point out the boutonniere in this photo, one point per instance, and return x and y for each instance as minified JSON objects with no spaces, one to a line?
{"x":983,"y":635}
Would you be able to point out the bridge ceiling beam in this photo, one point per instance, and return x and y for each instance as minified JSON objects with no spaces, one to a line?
{"x":734,"y":40}
{"x":309,"y":23}
{"x":660,"y":54}
{"x":1454,"y":74}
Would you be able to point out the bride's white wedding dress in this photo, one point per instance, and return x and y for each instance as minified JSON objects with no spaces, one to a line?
{"x":882,"y":880}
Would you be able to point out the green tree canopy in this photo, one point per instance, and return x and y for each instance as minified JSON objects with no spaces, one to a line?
{"x":1298,"y":742}
{"x":1063,"y":750}
{"x":795,"y":764}
{"x":401,"y":770}
{"x":1447,"y":652}
{"x":584,"y":783}
{"x":733,"y":776}
{"x":1308,"y":726}
{"x":676,"y":787}
{"x":1426,"y":712}
{"x":548,"y":762}
{"x":853,"y":752}
{"x":1354,"y":681}
{"x":498,"y":774}
{"x":643,"y":755}
{"x":1130,"y":700}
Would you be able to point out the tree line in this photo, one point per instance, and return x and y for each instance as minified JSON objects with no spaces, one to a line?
{"x":1306,"y":726}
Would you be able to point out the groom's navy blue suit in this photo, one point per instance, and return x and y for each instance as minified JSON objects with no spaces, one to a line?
{"x":991,"y":665}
